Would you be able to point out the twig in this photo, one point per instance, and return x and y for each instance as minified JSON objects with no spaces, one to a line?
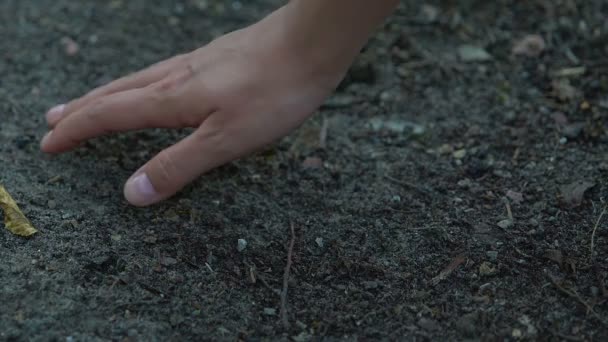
{"x":417,"y":64}
{"x":597,"y":224}
{"x":509,"y":212}
{"x":323,"y":133}
{"x":284,"y":317}
{"x":410,"y":185}
{"x":151,"y":289}
{"x":601,"y":276}
{"x":265,"y":282}
{"x":578,"y":297}
{"x":566,"y":337}
{"x":457,"y":261}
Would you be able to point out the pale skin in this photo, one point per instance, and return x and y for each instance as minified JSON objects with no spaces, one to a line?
{"x":240,"y":92}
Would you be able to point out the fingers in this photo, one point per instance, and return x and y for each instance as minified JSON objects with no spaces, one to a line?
{"x":140,"y":79}
{"x":221,"y":138}
{"x":150,"y":107}
{"x":172,"y":169}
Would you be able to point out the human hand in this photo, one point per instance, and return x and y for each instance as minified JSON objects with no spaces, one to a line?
{"x":241,"y":92}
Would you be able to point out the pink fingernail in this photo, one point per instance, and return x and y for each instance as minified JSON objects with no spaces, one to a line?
{"x":140,"y":191}
{"x":45,"y":139}
{"x":55,"y":113}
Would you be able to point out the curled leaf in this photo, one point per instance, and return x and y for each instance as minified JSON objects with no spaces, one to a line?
{"x":14,"y":220}
{"x":573,"y":194}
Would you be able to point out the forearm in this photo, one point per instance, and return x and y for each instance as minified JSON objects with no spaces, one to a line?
{"x":333,"y":30}
{"x":348,"y":23}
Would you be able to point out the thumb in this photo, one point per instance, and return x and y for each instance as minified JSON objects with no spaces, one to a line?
{"x":175,"y":167}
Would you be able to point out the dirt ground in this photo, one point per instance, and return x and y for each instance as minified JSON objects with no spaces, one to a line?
{"x":452,"y":189}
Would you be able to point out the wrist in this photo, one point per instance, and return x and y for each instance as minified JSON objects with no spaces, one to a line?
{"x":327,"y":34}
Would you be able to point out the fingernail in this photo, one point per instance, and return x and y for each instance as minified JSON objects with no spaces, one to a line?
{"x":45,"y":139}
{"x":140,"y":191}
{"x":55,"y":113}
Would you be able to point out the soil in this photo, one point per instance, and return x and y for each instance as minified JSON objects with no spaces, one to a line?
{"x":450,"y":190}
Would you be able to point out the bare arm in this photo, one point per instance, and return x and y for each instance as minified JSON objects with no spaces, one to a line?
{"x":340,"y":28}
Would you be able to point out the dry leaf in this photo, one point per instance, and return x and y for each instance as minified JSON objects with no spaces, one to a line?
{"x":14,"y":220}
{"x":563,"y":90}
{"x":516,"y":197}
{"x":565,"y":264}
{"x":555,"y":255}
{"x":573,"y":193}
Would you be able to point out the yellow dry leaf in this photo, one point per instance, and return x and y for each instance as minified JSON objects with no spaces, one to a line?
{"x":14,"y":220}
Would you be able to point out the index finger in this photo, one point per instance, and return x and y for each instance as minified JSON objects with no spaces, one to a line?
{"x":139,"y":79}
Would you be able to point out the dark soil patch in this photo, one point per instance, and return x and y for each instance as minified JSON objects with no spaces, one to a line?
{"x":397,"y":233}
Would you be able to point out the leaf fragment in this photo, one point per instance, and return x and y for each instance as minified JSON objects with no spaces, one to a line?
{"x":572,"y":194}
{"x":14,"y":219}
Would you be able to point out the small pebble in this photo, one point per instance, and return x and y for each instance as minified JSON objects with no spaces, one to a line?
{"x":471,"y":54}
{"x":241,"y":245}
{"x":319,"y":241}
{"x":70,"y":47}
{"x":517,"y":333}
{"x":486,"y":269}
{"x":510,"y":116}
{"x":459,"y":154}
{"x":504,"y":224}
{"x":270,"y":311}
{"x":428,"y":324}
{"x":312,"y":163}
{"x":445,"y":149}
{"x":168,"y":261}
{"x":464,"y":183}
{"x":502,"y":173}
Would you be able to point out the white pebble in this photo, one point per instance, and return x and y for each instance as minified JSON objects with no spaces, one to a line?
{"x":241,"y":245}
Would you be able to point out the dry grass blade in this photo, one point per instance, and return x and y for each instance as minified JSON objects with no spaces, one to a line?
{"x":457,"y":261}
{"x":284,"y":318}
{"x":578,"y":297}
{"x":597,"y":224}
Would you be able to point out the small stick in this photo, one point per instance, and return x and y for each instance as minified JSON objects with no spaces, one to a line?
{"x":323,"y":133}
{"x":409,"y":185}
{"x":457,"y":261}
{"x":284,"y":318}
{"x":578,"y":297}
{"x":509,"y":212}
{"x":597,"y":224}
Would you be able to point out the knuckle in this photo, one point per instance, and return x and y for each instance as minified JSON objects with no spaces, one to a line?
{"x":96,"y":109}
{"x":166,"y":168}
{"x":166,"y":91}
{"x":216,"y":134}
{"x":175,"y":80}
